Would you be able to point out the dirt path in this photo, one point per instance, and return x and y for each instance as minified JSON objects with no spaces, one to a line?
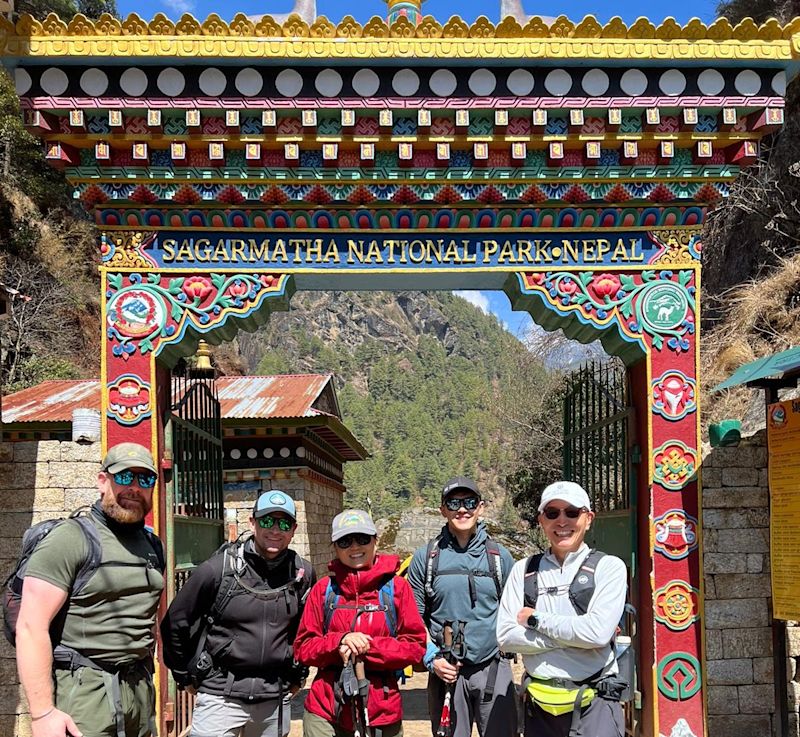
{"x":415,"y":707}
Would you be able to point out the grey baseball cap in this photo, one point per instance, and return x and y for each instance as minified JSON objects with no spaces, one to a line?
{"x":350,"y":521}
{"x":459,"y":483}
{"x":128,"y":455}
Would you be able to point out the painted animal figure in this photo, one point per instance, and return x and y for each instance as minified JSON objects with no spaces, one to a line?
{"x":665,"y":312}
{"x":306,"y":9}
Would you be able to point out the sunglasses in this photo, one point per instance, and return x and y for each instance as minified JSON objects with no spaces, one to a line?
{"x":268,"y":522}
{"x":357,"y":538}
{"x":570,"y":512}
{"x":470,"y":503}
{"x":146,"y":479}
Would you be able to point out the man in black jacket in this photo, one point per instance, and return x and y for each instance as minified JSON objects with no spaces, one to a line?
{"x":229,"y":631}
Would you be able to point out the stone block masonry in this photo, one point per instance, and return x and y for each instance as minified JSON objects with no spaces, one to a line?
{"x":738,"y":648}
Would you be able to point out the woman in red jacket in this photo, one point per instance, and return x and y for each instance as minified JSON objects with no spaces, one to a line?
{"x":362,"y":612}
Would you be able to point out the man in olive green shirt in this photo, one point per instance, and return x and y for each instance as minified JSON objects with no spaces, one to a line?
{"x":96,"y":677}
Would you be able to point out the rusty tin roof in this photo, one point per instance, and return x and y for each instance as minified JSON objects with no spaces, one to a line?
{"x":309,"y":397}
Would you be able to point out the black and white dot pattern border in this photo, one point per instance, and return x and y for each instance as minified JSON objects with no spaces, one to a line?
{"x":327,"y":83}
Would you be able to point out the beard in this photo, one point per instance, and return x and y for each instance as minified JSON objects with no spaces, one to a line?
{"x":123,"y":515}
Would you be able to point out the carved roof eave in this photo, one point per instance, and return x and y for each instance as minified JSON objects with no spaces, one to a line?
{"x":770,"y":43}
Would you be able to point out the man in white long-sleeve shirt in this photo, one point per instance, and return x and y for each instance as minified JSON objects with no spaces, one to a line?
{"x":565,"y":629}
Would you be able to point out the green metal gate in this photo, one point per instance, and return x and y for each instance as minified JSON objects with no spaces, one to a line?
{"x":600,"y":454}
{"x":194,"y":501}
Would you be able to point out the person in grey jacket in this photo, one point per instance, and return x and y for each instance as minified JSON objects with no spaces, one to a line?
{"x":457,"y":580}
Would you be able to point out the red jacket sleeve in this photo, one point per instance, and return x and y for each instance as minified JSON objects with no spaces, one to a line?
{"x":408,"y":645}
{"x":311,"y":645}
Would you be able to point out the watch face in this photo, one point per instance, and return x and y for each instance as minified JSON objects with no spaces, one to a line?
{"x":533,"y":621}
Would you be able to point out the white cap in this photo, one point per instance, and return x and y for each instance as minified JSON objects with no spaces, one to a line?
{"x":566,"y":491}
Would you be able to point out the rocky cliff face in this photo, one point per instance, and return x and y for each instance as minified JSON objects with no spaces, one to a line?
{"x":349,"y":320}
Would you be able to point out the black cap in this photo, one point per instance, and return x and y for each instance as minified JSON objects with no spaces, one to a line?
{"x":459,"y":483}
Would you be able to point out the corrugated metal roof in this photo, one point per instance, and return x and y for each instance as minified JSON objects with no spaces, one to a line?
{"x":241,"y":397}
{"x":51,"y":401}
{"x":287,"y":395}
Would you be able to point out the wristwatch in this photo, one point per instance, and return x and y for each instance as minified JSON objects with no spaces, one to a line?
{"x":533,"y":621}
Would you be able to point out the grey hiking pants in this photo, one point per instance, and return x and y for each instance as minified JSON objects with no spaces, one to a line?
{"x":600,"y":718}
{"x":494,"y":714}
{"x":217,"y":716}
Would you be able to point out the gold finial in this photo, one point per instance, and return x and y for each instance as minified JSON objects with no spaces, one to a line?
{"x":203,"y":357}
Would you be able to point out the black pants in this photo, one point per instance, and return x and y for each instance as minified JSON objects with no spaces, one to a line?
{"x":600,"y":719}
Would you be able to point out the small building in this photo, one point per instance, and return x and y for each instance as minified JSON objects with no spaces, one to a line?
{"x":278,"y":432}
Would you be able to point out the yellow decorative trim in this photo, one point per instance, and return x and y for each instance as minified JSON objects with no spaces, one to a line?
{"x":127,"y":252}
{"x":295,"y":39}
{"x":677,"y":242}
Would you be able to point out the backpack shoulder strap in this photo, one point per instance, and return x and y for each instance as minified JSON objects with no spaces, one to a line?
{"x":158,"y":548}
{"x":227,"y":582}
{"x":302,"y":578}
{"x":386,"y":595}
{"x":583,"y":585}
{"x":431,"y":565}
{"x":495,"y":564}
{"x":94,"y":552}
{"x":531,"y":594}
{"x":329,"y":603}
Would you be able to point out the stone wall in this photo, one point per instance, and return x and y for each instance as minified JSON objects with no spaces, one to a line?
{"x":739,"y":663}
{"x":38,"y":480}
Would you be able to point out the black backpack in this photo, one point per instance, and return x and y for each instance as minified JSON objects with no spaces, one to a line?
{"x":12,"y":589}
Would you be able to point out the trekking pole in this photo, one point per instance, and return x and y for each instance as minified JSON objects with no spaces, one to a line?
{"x":363,"y":693}
{"x":444,"y":719}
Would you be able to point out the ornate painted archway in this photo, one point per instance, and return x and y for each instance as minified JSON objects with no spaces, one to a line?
{"x":571,"y":165}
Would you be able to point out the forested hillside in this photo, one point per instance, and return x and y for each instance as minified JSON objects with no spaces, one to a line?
{"x":431,"y":385}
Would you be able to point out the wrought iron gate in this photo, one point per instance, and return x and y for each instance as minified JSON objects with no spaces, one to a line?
{"x":194,"y":501}
{"x":600,"y":454}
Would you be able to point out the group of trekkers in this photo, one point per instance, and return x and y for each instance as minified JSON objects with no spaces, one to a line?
{"x":244,"y":628}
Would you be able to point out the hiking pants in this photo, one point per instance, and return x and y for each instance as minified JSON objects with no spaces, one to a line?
{"x":600,"y":718}
{"x":83,"y":693}
{"x":219,"y":716}
{"x":316,"y":726}
{"x":494,"y":714}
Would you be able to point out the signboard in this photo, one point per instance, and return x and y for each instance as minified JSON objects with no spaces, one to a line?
{"x":783,"y":436}
{"x":394,"y":250}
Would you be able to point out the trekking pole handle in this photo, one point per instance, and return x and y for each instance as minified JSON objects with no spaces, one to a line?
{"x":447,"y":636}
{"x":360,"y":670}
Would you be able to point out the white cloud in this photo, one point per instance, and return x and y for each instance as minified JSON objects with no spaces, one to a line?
{"x":179,"y":6}
{"x":479,"y":299}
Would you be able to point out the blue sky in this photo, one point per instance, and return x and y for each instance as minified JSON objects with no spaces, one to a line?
{"x":335,"y":10}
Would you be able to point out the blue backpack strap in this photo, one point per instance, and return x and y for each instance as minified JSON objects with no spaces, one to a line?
{"x":387,"y":604}
{"x":329,"y":604}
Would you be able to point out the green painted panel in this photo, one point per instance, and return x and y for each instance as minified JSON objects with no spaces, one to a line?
{"x":613,"y":532}
{"x":196,"y":539}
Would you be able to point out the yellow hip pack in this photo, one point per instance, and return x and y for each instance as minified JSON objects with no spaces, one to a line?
{"x":558,"y":700}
